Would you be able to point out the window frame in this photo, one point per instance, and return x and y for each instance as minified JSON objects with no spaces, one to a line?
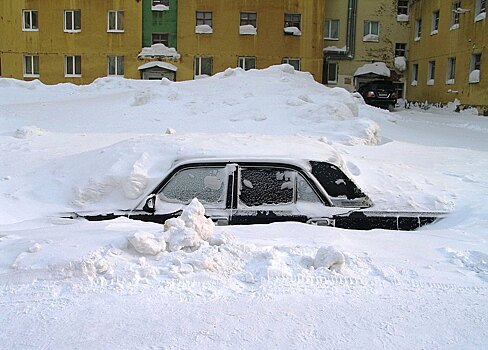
{"x":248,"y":21}
{"x":475,"y":63}
{"x":73,"y":21}
{"x":159,"y":2}
{"x":197,"y":63}
{"x":31,"y":20}
{"x":204,"y":20}
{"x":287,"y":60}
{"x":118,"y":65}
{"x":480,"y":7}
{"x":244,"y":59}
{"x":402,"y":7}
{"x":418,"y":29}
{"x":399,"y":51}
{"x":336,"y":72}
{"x":73,"y":59}
{"x":164,"y":42}
{"x":434,"y":29}
{"x":455,"y":16}
{"x":328,"y":29}
{"x":451,"y":70}
{"x":415,"y":73}
{"x":119,"y":16}
{"x":368,"y":26}
{"x":34,"y":62}
{"x":431,"y":71}
{"x":293,"y":20}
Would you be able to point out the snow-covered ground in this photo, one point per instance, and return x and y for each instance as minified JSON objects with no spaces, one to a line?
{"x":70,"y":284}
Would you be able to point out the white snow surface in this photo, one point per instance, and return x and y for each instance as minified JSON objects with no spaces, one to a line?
{"x":203,"y":29}
{"x":474,"y":76}
{"x":293,"y":30}
{"x":248,"y":29}
{"x":400,"y":63}
{"x":159,"y":50}
{"x":159,"y":64}
{"x":187,"y":284}
{"x":378,"y":68}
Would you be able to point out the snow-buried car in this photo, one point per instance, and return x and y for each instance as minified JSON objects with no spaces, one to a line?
{"x":257,"y":189}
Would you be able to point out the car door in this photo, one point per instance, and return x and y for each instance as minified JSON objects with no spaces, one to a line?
{"x":271,"y":193}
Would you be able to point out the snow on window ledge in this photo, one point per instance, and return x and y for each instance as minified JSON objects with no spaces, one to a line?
{"x":402,"y":18}
{"x":454,"y":26}
{"x":202,"y":76}
{"x":160,"y":7}
{"x":417,"y":38}
{"x":430,"y":82}
{"x":401,"y":63}
{"x":292,"y":30}
{"x":414,"y":83}
{"x":474,"y":76}
{"x":203,"y":29}
{"x":371,"y":38}
{"x":449,"y":81}
{"x":434,"y":32}
{"x":480,"y":17}
{"x":248,"y":29}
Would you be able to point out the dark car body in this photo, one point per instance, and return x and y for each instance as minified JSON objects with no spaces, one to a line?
{"x":379,"y":93}
{"x":254,"y":191}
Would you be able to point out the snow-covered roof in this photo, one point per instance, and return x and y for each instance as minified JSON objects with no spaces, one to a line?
{"x":378,"y":68}
{"x":164,"y":65}
{"x":159,"y":50}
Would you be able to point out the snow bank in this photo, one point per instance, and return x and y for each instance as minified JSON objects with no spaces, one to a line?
{"x":28,"y":131}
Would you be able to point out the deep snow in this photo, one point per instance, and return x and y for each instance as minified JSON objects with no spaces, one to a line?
{"x":127,"y":284}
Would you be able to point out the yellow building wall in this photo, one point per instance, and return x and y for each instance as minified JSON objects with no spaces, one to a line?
{"x":391,"y":32}
{"x":470,"y":38}
{"x":52,"y":44}
{"x":270,"y":45}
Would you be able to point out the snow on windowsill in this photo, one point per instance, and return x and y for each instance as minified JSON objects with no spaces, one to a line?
{"x":474,"y":76}
{"x":434,"y":32}
{"x":402,"y":18}
{"x":331,"y":39}
{"x":159,"y":50}
{"x":400,"y":63}
{"x":414,"y":83}
{"x":417,"y":38}
{"x":371,"y":38}
{"x":292,"y":30}
{"x":480,"y":17}
{"x":72,"y":75}
{"x":248,"y":29}
{"x":31,"y":75}
{"x":203,"y":29}
{"x":72,"y":31}
{"x":335,"y":49}
{"x":454,"y":26}
{"x":160,"y":8}
{"x":449,"y":81}
{"x":430,"y":82}
{"x":201,"y":76}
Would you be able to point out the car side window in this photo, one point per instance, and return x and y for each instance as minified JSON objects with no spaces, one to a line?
{"x":208,"y":184}
{"x":266,"y":186}
{"x":305,"y":192}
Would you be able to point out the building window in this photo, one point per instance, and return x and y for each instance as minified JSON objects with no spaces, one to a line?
{"x":455,"y":14}
{"x":115,"y":21}
{"x":415,"y":74}
{"x":475,"y":68}
{"x":371,"y":31}
{"x":160,"y":38}
{"x":451,"y":70}
{"x":480,"y":10}
{"x":249,"y":18}
{"x":72,"y":20}
{"x":160,"y":2}
{"x":418,"y":29}
{"x":247,"y":63}
{"x":293,"y":20}
{"x":431,"y":73}
{"x":400,"y":49}
{"x":331,"y":29}
{"x":115,"y":65}
{"x":31,"y":66}
{"x":30,"y":19}
{"x":402,"y":7}
{"x":204,"y":18}
{"x":295,"y":62}
{"x":203,"y":66}
{"x":435,"y":23}
{"x":72,"y":66}
{"x":332,"y":73}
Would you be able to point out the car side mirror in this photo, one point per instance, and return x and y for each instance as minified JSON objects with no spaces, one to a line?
{"x":150,"y":205}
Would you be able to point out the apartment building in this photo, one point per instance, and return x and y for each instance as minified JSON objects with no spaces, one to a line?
{"x":365,"y":40}
{"x":214,"y":35}
{"x":73,"y":41}
{"x":449,"y":52}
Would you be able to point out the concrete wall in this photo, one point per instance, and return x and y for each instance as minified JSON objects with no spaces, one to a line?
{"x":471,"y":37}
{"x":51,"y":43}
{"x":270,"y":45}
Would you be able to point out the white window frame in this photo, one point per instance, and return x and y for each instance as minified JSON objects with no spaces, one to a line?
{"x":451,"y":70}
{"x":415,"y":74}
{"x":418,"y":29}
{"x":197,"y":69}
{"x":242,"y":62}
{"x":435,"y":23}
{"x":24,"y":24}
{"x":293,"y":60}
{"x":71,"y":60}
{"x":402,"y":9}
{"x":32,"y":59}
{"x":455,"y":16}
{"x":118,"y":22}
{"x":118,"y":64}
{"x":73,"y":21}
{"x":328,"y":29}
{"x":480,"y":7}
{"x":431,"y":71}
{"x":204,"y":18}
{"x":336,"y":73}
